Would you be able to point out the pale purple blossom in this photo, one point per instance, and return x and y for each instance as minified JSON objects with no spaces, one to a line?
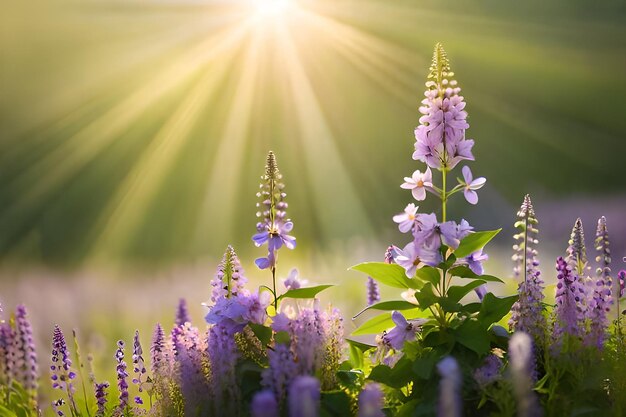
{"x":264,"y":404}
{"x":406,"y":220}
{"x":601,"y":293}
{"x":470,"y":185}
{"x":255,"y":306}
{"x":489,"y":372}
{"x":122,"y":385}
{"x":229,"y":279}
{"x":373,"y":293}
{"x":522,"y":363}
{"x":404,"y":331}
{"x":304,"y":397}
{"x":223,"y":355}
{"x":621,"y":276}
{"x":568,"y":313}
{"x":481,"y":291}
{"x":475,"y":261}
{"x":139,"y":367}
{"x":292,"y":282}
{"x":182,"y":312}
{"x":371,"y":401}
{"x":101,"y":397}
{"x":62,"y":373}
{"x":281,"y":371}
{"x":418,"y":183}
{"x":26,"y":369}
{"x":449,"y":388}
{"x":408,"y":258}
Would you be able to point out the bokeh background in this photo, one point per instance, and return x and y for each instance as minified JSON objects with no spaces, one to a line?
{"x":133,"y":135}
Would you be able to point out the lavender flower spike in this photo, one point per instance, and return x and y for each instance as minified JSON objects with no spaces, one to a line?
{"x":264,"y":405}
{"x":489,"y":372}
{"x":101,"y":398}
{"x":522,"y":364}
{"x":139,"y":368}
{"x":62,"y":373}
{"x":274,"y":227}
{"x":576,"y":252}
{"x":527,"y":312}
{"x":7,"y":354}
{"x":371,"y":401}
{"x":304,"y":397}
{"x":182,"y":313}
{"x":568,"y":312}
{"x":373,"y":294}
{"x":26,"y":369}
{"x":602,"y":299}
{"x":229,"y":278}
{"x":122,"y":385}
{"x":440,"y":137}
{"x":449,"y":388}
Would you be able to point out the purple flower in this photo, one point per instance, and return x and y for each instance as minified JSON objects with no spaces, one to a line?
{"x":418,"y":183}
{"x":304,"y":397}
{"x":292,"y":282}
{"x":404,"y":331}
{"x":430,"y":234}
{"x":489,"y":372}
{"x":390,"y":254}
{"x":601,"y":293}
{"x":281,"y":371}
{"x":190,"y":351}
{"x":371,"y":401}
{"x":122,"y":385}
{"x":275,"y":235}
{"x":182,"y":313}
{"x":449,"y":388}
{"x":440,"y":138}
{"x":621,"y":276}
{"x":157,"y":350}
{"x":101,"y":398}
{"x":570,"y":297}
{"x":26,"y":369}
{"x":481,"y":291}
{"x":406,"y":220}
{"x":229,"y":278}
{"x":264,"y":404}
{"x":470,"y":185}
{"x":139,"y":367}
{"x":475,"y":261}
{"x":373,"y":294}
{"x":576,"y":252}
{"x":255,"y":307}
{"x":7,"y":353}
{"x":408,"y":258}
{"x":522,"y":363}
{"x":62,"y":373}
{"x":223,"y":355}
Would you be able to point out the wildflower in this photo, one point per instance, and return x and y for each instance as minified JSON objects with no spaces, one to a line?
{"x":601,"y":291}
{"x":489,"y":372}
{"x":304,"y":397}
{"x":475,"y":261}
{"x":440,"y":138}
{"x":430,"y":234}
{"x":62,"y":373}
{"x":182,"y":313}
{"x":223,"y":354}
{"x":275,"y":227}
{"x":255,"y":306}
{"x":157,"y":350}
{"x":404,"y":331}
{"x":122,"y":385}
{"x":281,"y":371}
{"x":292,"y":282}
{"x":621,"y":276}
{"x":418,"y":183}
{"x":26,"y":369}
{"x":470,"y":185}
{"x":139,"y":367}
{"x":576,"y":252}
{"x":373,"y":294}
{"x":449,"y":388}
{"x":7,"y":353}
{"x":408,"y":258}
{"x":390,"y":254}
{"x":527,"y":312}
{"x":371,"y":401}
{"x":481,"y":291}
{"x":190,"y":355}
{"x":406,"y":220}
{"x":522,"y":365}
{"x":569,"y":295}
{"x":229,"y":279}
{"x":101,"y":398}
{"x":264,"y":404}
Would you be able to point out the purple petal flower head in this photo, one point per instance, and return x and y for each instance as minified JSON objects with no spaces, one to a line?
{"x":449,"y":388}
{"x":404,"y":331}
{"x":101,"y":398}
{"x":522,"y":362}
{"x":122,"y":385}
{"x":489,"y":372}
{"x":157,"y":351}
{"x":373,"y":293}
{"x":430,"y":234}
{"x":26,"y":370}
{"x":62,"y":373}
{"x":281,"y":371}
{"x":406,"y":220}
{"x":408,"y":258}
{"x":182,"y":313}
{"x":481,"y":291}
{"x":264,"y":404}
{"x":304,"y":397}
{"x":576,"y":252}
{"x":440,"y":138}
{"x":292,"y":282}
{"x":621,"y":276}
{"x":256,"y":305}
{"x":274,"y":227}
{"x":390,"y":254}
{"x":470,"y":185}
{"x":7,"y":354}
{"x":527,"y":312}
{"x":139,"y":367}
{"x":229,"y":278}
{"x":223,"y":355}
{"x":568,"y":312}
{"x":418,"y":183}
{"x":475,"y":261}
{"x":601,"y":292}
{"x":371,"y":401}
{"x":190,"y":349}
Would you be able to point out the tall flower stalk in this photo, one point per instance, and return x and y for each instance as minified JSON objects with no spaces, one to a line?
{"x":602,"y":298}
{"x":274,"y":226}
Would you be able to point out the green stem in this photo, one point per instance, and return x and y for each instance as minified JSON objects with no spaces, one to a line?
{"x":444,"y":194}
{"x":274,"y":289}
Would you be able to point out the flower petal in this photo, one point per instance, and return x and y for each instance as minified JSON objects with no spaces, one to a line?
{"x":471,"y":196}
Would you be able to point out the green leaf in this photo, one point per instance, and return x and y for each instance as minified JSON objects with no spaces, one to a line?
{"x":474,"y":336}
{"x":392,"y":275}
{"x":463,"y":271}
{"x":383,"y":321}
{"x":494,"y":308}
{"x":356,"y":352}
{"x":428,"y":274}
{"x":335,"y":403}
{"x":282,"y":338}
{"x":264,"y":333}
{"x":474,"y":241}
{"x":456,"y":292}
{"x":308,"y":292}
{"x":425,"y":297}
{"x":424,"y":365}
{"x":396,"y":377}
{"x":388,"y":306}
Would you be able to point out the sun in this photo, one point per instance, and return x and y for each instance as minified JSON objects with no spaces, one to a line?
{"x":271,"y":8}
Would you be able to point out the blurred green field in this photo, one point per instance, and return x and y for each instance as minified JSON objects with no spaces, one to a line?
{"x":134,"y":132}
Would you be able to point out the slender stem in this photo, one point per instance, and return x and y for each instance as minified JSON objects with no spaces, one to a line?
{"x":274,"y":289}
{"x":526,"y":246}
{"x":444,"y":195}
